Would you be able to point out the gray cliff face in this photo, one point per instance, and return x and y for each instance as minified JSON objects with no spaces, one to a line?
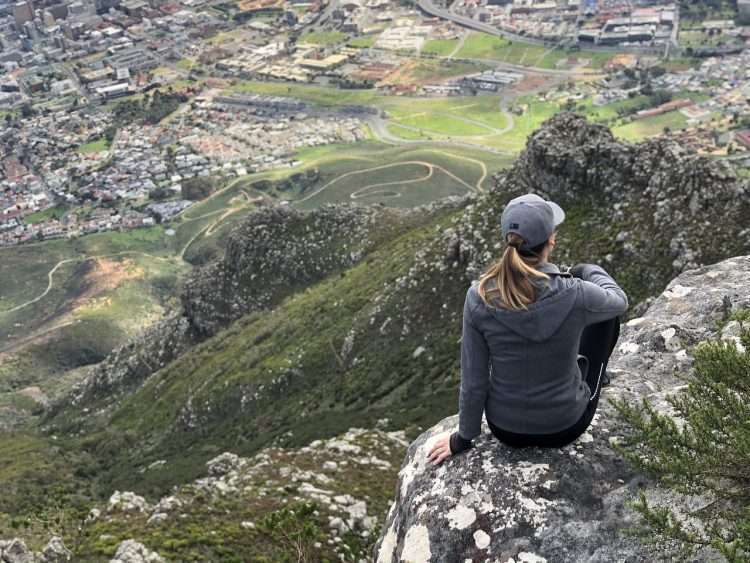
{"x":495,"y":503}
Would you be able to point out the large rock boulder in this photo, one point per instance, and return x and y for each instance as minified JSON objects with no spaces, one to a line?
{"x":130,"y":551}
{"x":495,"y":503}
{"x":16,"y":551}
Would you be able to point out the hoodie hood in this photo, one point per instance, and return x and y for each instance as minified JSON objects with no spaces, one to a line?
{"x":544,"y":317}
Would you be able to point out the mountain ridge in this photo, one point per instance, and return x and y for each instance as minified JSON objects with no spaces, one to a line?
{"x":367,"y":323}
{"x":406,"y":293}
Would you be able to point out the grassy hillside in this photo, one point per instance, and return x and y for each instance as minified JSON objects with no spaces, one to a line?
{"x":68,"y":303}
{"x":344,"y":317}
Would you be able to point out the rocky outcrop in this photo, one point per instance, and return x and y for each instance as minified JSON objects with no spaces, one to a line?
{"x":274,"y":252}
{"x":664,"y":200}
{"x":130,"y":551}
{"x":334,"y":476}
{"x":495,"y":503}
{"x":128,"y":366}
{"x":15,"y":551}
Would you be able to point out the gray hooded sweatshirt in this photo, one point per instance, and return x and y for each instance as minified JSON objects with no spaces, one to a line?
{"x":520,"y":366}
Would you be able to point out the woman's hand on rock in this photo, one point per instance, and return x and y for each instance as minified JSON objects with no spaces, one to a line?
{"x":441,"y":449}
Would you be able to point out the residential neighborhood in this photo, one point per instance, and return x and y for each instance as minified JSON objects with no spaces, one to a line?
{"x":110,"y":107}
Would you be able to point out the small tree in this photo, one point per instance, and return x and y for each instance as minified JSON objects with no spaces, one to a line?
{"x":703,"y":449}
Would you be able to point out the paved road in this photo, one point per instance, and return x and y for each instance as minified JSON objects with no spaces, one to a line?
{"x":428,"y":7}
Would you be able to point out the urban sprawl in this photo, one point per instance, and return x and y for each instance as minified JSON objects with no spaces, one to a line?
{"x":116,"y":113}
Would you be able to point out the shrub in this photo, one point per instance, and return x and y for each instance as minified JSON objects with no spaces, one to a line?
{"x":702,"y":448}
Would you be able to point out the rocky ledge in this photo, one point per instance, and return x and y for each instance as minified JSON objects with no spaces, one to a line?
{"x":494,"y":503}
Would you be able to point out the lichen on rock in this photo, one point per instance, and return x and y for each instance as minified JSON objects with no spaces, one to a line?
{"x":496,"y":503}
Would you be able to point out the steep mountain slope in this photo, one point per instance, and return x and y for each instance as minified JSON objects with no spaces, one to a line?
{"x":381,"y":336}
{"x":315,"y":323}
{"x":270,"y":255}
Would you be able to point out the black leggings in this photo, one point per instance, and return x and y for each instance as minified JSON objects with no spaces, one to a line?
{"x":597,"y":343}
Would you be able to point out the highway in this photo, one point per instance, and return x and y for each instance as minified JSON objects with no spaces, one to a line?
{"x":431,"y":9}
{"x":428,"y":7}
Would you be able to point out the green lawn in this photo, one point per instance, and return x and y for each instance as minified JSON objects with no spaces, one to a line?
{"x":363,"y":42}
{"x":440,"y":47}
{"x":446,"y":117}
{"x":446,"y":125}
{"x":484,"y":46}
{"x":98,"y":145}
{"x":314,"y":94}
{"x":651,"y":126}
{"x":457,"y":116}
{"x":325,"y":38}
{"x":45,"y":215}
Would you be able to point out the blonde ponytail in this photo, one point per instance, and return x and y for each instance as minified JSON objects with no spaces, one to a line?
{"x":513,"y":275}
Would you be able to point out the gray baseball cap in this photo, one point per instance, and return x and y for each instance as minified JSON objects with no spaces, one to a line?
{"x":532,"y":218}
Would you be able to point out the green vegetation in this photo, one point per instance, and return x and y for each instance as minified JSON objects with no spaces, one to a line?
{"x":56,"y":212}
{"x":314,"y":94}
{"x":651,"y":126}
{"x":326,"y":38}
{"x":440,"y":47}
{"x":150,"y":109}
{"x":363,"y":42}
{"x":700,"y":10}
{"x":186,"y":64}
{"x":99,"y":145}
{"x":484,"y":46}
{"x":198,"y":188}
{"x":706,"y":454}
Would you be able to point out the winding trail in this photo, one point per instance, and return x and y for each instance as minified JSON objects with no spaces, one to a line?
{"x":429,"y":165}
{"x":51,"y":273}
{"x":479,"y":163}
{"x":210,"y":229}
{"x":361,"y":192}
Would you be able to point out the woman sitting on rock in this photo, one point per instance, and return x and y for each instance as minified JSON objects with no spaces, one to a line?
{"x":536,"y":341}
